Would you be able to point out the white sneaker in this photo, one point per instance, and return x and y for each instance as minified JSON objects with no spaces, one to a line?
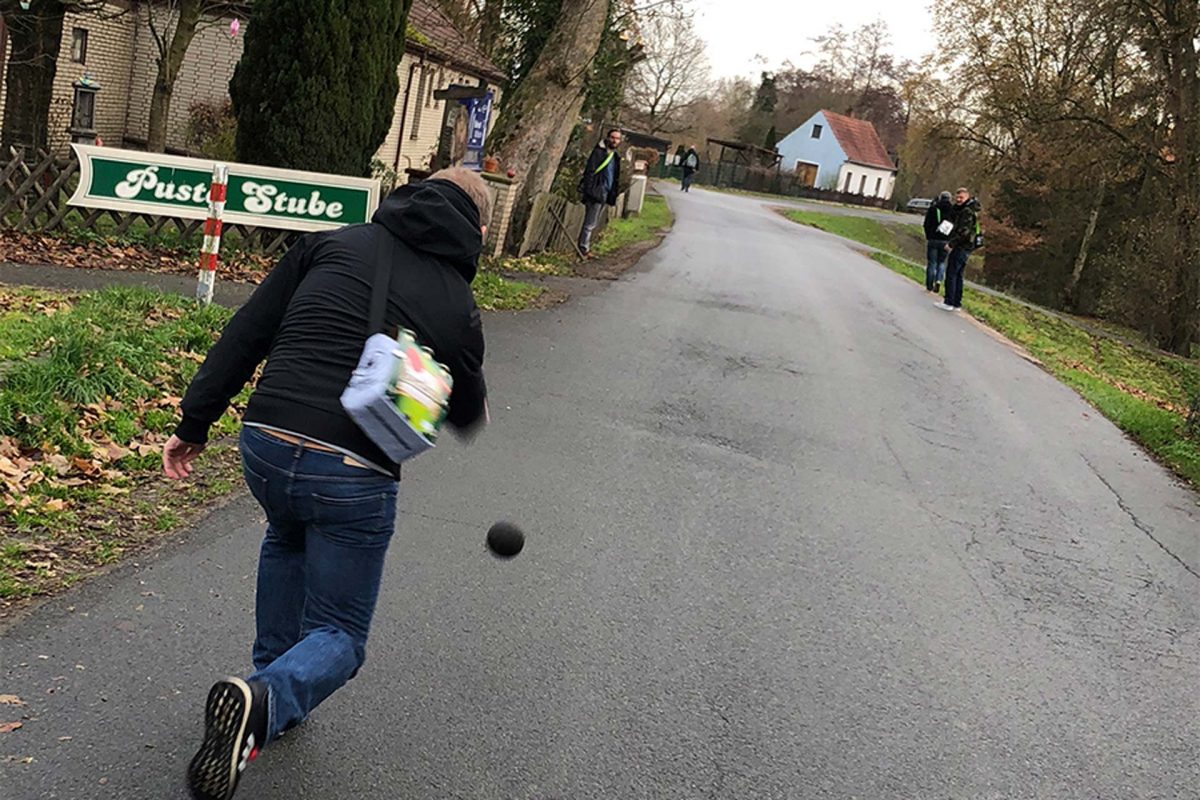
{"x":944,"y":307}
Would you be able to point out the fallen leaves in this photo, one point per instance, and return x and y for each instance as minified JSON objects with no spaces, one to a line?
{"x":11,"y":700}
{"x":34,"y":248}
{"x":9,"y":727}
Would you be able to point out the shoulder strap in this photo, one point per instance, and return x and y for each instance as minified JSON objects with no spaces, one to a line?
{"x":604,"y":163}
{"x":383,"y":275}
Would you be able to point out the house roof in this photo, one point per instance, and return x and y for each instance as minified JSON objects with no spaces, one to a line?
{"x":859,"y":140}
{"x":437,"y":36}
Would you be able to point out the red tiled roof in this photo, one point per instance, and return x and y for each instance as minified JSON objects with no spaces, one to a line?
{"x":858,"y":139}
{"x":437,"y":36}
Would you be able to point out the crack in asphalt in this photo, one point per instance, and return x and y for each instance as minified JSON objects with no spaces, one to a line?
{"x":1137,"y":522}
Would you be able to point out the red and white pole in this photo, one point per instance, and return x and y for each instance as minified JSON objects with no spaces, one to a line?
{"x":211,"y":249}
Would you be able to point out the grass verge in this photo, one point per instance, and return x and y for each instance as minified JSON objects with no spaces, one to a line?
{"x":90,"y":385}
{"x":655,"y":216}
{"x":1146,"y":394}
{"x":495,"y":293}
{"x":905,"y":239}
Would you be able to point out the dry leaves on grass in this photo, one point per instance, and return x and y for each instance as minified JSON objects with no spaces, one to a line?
{"x":36,"y":248}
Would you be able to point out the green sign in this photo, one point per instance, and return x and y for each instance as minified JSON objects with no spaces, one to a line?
{"x":128,"y":180}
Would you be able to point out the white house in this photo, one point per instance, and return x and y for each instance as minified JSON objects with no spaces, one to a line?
{"x":833,"y":151}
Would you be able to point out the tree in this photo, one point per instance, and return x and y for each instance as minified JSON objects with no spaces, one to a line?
{"x":666,"y":85}
{"x":316,"y":86}
{"x":172,"y":25}
{"x":35,"y":35}
{"x":541,"y":112}
{"x":761,"y":115}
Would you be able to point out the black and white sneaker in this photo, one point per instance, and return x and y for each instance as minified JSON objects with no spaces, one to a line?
{"x":235,"y":729}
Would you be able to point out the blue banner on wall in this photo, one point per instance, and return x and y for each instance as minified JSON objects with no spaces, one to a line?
{"x":479,"y":111}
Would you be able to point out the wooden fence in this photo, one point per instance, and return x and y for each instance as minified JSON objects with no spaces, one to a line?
{"x":555,"y":222}
{"x":34,"y":194}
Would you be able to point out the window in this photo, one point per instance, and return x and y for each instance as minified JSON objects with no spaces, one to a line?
{"x":79,"y":41}
{"x":429,"y":93}
{"x":816,"y":131}
{"x":878,"y":186}
{"x":862,"y":185}
{"x":849,"y":177}
{"x":416,"y":123}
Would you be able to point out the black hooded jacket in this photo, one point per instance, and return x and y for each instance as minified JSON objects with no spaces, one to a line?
{"x":591,"y":185}
{"x":940,"y":211}
{"x":309,"y":320}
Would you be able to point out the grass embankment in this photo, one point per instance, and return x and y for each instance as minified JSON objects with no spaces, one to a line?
{"x":1146,"y":394}
{"x":622,"y":232}
{"x":904,"y":239}
{"x":617,"y":236}
{"x":89,"y":389}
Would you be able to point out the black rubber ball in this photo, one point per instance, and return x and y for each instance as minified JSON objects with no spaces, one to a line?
{"x":505,"y":539}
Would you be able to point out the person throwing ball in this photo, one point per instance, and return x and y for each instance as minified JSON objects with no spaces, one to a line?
{"x":328,"y":491}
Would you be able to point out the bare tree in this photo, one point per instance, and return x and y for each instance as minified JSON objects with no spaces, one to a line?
{"x":668,"y":83}
{"x":173,"y":24}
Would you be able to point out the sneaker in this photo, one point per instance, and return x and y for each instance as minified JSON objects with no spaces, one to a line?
{"x":937,"y":287}
{"x":235,"y":728}
{"x":944,"y":307}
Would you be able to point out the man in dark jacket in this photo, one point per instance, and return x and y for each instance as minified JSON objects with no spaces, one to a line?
{"x":938,"y":223}
{"x":599,"y":185}
{"x":960,"y":245}
{"x":329,"y":493}
{"x":691,"y":165}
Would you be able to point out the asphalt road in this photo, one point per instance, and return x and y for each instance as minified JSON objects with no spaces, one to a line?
{"x":793,"y":533}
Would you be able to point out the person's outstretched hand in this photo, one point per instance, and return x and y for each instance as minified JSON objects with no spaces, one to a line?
{"x":178,"y":456}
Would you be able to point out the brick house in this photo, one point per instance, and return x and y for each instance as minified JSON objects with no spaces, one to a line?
{"x":115,"y":50}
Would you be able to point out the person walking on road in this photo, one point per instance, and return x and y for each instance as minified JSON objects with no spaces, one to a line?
{"x":328,"y":491}
{"x":939,"y":223}
{"x":962,"y":241}
{"x":691,"y":165}
{"x":599,"y":185}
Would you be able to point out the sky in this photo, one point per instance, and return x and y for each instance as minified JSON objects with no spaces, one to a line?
{"x":738,"y":30}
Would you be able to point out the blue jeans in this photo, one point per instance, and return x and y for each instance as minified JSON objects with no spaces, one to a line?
{"x":591,"y":218}
{"x":935,"y":263}
{"x":954,"y":276}
{"x":328,"y":529}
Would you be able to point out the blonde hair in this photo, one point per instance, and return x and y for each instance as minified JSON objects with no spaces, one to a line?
{"x":475,"y":187}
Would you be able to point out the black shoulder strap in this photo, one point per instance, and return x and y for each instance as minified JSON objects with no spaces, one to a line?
{"x":383,"y":276}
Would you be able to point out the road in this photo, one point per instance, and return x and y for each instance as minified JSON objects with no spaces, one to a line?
{"x":793,"y":533}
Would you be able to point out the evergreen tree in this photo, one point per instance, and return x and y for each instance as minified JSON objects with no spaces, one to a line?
{"x":316,"y":86}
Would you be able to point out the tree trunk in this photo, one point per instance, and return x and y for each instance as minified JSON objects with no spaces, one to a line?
{"x":169,"y":63}
{"x":538,"y":119}
{"x":35,"y":36}
{"x":1084,"y":246}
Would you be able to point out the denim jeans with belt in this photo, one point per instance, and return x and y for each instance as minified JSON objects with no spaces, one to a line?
{"x":328,"y":529}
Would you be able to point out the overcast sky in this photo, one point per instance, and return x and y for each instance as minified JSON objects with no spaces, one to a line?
{"x":738,"y":30}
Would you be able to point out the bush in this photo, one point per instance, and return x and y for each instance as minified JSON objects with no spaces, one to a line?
{"x":212,"y":130}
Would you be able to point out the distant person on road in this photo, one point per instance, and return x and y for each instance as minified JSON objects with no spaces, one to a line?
{"x":328,"y":491}
{"x":599,"y":185}
{"x":691,"y":165}
{"x":962,"y":242}
{"x":939,"y":223}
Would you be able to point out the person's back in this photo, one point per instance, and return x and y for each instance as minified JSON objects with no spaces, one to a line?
{"x":938,"y":218}
{"x":320,"y":338}
{"x":328,"y":492}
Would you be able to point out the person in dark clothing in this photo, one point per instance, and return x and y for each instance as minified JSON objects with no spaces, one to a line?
{"x":938,"y":223}
{"x":960,"y":245}
{"x":599,"y":185}
{"x":329,"y":493}
{"x":691,"y":165}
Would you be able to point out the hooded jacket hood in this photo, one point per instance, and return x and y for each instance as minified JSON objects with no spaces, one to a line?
{"x":437,"y":218}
